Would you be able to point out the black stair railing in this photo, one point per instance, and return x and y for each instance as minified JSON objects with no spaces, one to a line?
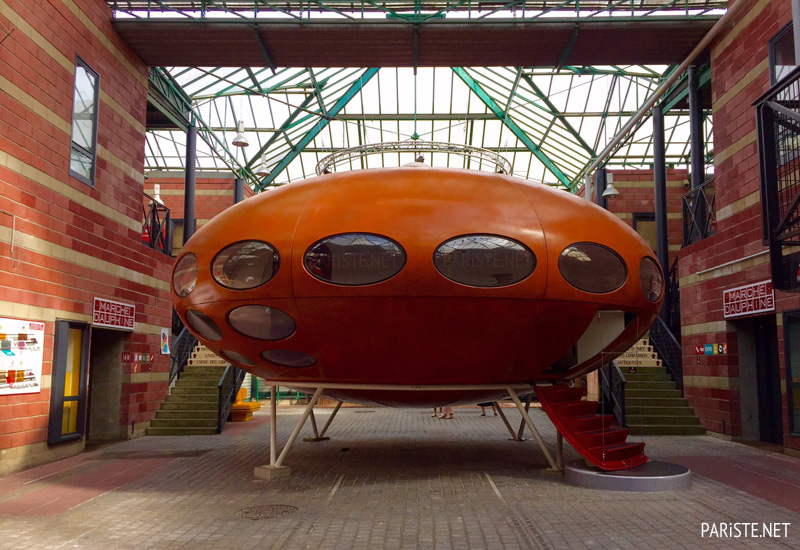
{"x":778,"y":131}
{"x":229,"y":384}
{"x":612,"y":382}
{"x":182,"y":346}
{"x":699,"y":213}
{"x":671,"y":352}
{"x":156,"y":229}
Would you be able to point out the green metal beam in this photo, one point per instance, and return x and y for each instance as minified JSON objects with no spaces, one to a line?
{"x":511,"y":125}
{"x":354,"y":89}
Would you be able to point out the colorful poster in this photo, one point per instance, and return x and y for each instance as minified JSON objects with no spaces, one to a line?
{"x":164,"y":341}
{"x":21,"y":354}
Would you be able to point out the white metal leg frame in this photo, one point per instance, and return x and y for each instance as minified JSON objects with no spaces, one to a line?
{"x":275,"y":469}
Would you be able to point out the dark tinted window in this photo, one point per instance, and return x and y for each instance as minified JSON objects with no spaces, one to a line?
{"x":289,"y":358}
{"x":651,"y":279}
{"x":484,"y":260}
{"x":592,"y":267}
{"x":245,"y":265}
{"x":203,"y":325}
{"x":354,"y":259}
{"x":261,"y":322}
{"x":184,"y":277}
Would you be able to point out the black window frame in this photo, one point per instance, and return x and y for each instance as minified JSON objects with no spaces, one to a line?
{"x":787,"y":29}
{"x":57,"y":399}
{"x":788,"y":316}
{"x":95,"y":122}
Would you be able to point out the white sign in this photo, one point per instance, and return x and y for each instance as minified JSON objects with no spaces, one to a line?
{"x":748,"y":299}
{"x":111,"y":314}
{"x":21,"y":354}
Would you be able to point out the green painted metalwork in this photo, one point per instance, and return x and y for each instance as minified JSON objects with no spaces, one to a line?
{"x":508,"y":122}
{"x":318,"y":127}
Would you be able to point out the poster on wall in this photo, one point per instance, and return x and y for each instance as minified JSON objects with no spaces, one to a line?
{"x":21,"y":354}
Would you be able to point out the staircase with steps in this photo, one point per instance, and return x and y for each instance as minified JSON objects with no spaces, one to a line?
{"x":192,"y":406}
{"x":654,"y":404}
{"x":592,"y":435}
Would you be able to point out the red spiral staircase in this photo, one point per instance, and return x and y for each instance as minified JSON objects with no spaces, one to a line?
{"x":590,"y":434}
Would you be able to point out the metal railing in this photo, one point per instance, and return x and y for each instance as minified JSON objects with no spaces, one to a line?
{"x":612,"y":382}
{"x":778,"y":130}
{"x":699,"y":214}
{"x":669,"y":349}
{"x":228,"y":386}
{"x":156,"y":229}
{"x":672,"y":300}
{"x":181,"y":349}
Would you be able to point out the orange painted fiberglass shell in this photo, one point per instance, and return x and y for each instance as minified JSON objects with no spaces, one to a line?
{"x":418,"y":326}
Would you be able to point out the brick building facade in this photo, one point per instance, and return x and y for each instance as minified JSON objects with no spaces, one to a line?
{"x":66,"y":240}
{"x":741,"y":393}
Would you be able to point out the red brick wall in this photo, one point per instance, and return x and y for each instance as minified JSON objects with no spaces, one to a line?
{"x":74,"y":242}
{"x":739,"y":73}
{"x":637,"y":196}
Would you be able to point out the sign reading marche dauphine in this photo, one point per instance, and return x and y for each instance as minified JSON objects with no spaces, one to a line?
{"x":748,"y":299}
{"x":111,"y":314}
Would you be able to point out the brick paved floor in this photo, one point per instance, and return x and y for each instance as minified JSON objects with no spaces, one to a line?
{"x":387,"y":479}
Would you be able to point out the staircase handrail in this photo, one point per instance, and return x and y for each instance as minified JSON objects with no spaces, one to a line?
{"x":181,"y":349}
{"x":671,"y":351}
{"x":228,"y":386}
{"x":613,"y":385}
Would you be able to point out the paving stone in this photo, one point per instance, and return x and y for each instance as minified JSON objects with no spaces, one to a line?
{"x":406,"y":481}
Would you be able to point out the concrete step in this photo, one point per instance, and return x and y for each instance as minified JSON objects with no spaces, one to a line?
{"x":180,"y":389}
{"x":662,"y":420}
{"x":189,"y":405}
{"x":672,"y":402}
{"x":197,"y":381}
{"x":647,"y":376}
{"x":184,"y":423}
{"x":652,"y":394}
{"x":181,"y":431}
{"x":186,"y":414}
{"x":658,"y":411}
{"x":636,"y":430}
{"x":650,"y":385}
{"x":192,"y":398}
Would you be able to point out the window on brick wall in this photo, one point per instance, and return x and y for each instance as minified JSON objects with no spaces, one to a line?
{"x":781,"y":54}
{"x":83,"y":153}
{"x":68,"y":384}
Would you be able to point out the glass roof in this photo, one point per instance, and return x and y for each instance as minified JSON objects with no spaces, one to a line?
{"x":548,"y":123}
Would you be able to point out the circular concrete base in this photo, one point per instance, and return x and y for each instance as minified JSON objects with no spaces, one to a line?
{"x":651,"y":477}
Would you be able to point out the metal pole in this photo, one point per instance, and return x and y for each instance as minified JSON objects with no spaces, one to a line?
{"x":696,"y":129}
{"x":521,"y":430}
{"x":299,"y":426}
{"x":533,"y":429}
{"x":273,"y":424}
{"x":238,"y":190}
{"x":559,"y":450}
{"x":587,"y":185}
{"x":314,"y":424}
{"x":722,"y":23}
{"x":601,"y":179}
{"x":505,"y":421}
{"x":660,"y":189}
{"x":796,"y":30}
{"x":189,"y":183}
{"x":330,"y":419}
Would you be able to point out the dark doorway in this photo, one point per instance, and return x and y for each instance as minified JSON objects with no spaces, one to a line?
{"x":105,"y":386}
{"x":770,"y":423}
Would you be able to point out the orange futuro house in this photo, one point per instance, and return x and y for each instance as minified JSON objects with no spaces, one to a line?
{"x":417,"y":276}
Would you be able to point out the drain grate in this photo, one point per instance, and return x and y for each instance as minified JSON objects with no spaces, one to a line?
{"x":364,"y":412}
{"x":267,"y":511}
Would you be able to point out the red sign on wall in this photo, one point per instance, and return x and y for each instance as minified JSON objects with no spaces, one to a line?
{"x":748,"y":300}
{"x":111,"y":314}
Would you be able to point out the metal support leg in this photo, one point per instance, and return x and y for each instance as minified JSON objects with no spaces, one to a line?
{"x":314,"y":423}
{"x":522,"y":421}
{"x":533,"y":429}
{"x":559,"y":450}
{"x":318,"y":436}
{"x":273,"y":424}
{"x":303,"y":418}
{"x":330,"y":419}
{"x":505,"y":421}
